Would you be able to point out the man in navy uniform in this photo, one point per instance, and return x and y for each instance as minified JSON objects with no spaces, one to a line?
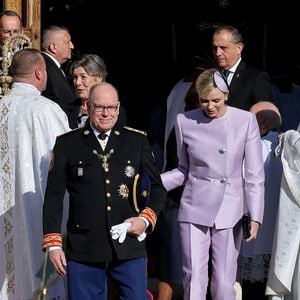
{"x":98,"y":165}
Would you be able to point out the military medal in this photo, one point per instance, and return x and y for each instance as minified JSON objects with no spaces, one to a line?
{"x":105,"y":164}
{"x":129,"y":171}
{"x":123,"y":191}
{"x":104,"y":159}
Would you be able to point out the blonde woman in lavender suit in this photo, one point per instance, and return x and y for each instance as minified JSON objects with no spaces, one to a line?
{"x":221,"y":168}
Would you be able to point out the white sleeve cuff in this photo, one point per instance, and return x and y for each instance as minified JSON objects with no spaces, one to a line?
{"x":146,"y":221}
{"x":54,"y":248}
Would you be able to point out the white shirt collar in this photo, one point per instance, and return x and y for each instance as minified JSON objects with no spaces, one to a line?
{"x":96,"y":132}
{"x":234,"y":67}
{"x":54,"y":59}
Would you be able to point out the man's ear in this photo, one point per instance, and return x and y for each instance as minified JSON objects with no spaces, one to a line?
{"x":38,"y":73}
{"x":52,"y":48}
{"x":240,"y":47}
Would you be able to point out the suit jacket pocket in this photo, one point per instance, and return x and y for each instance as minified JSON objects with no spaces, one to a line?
{"x":79,"y":223}
{"x":79,"y":227}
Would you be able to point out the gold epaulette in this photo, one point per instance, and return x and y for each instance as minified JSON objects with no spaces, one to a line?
{"x":136,"y":130}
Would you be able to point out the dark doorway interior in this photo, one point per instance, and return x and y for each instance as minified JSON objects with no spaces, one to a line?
{"x":147,"y":52}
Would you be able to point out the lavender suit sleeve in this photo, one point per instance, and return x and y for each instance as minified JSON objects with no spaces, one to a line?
{"x":254,"y":172}
{"x":177,"y":176}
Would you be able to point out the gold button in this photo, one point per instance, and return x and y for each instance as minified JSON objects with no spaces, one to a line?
{"x":77,"y":225}
{"x":108,"y":208}
{"x":108,"y":194}
{"x":107,"y":181}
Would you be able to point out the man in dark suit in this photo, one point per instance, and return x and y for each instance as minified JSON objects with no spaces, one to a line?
{"x":57,"y":49}
{"x":247,"y":84}
{"x":98,"y":165}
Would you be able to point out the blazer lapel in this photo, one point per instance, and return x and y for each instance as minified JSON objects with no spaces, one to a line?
{"x":237,"y":76}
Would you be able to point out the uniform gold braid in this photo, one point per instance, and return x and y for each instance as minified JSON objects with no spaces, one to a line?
{"x":136,"y":130}
{"x":135,"y":203}
{"x":150,"y":215}
{"x":52,"y":239}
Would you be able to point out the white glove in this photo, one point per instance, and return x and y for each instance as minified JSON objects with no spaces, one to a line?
{"x":142,"y":236}
{"x":118,"y":232}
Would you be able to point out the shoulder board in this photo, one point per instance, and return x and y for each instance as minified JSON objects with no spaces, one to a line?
{"x":135,"y":130}
{"x":71,"y":130}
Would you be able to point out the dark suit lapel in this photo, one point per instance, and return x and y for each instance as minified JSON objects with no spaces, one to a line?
{"x":237,"y":76}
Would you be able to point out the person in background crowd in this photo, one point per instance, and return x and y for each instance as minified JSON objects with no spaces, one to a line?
{"x":215,"y":188}
{"x":106,"y":227}
{"x":284,"y":272}
{"x":10,"y":24}
{"x":29,"y":124}
{"x":254,"y":260}
{"x":286,"y":95}
{"x":176,"y":100}
{"x":57,"y":49}
{"x":86,"y":71}
{"x":247,"y":84}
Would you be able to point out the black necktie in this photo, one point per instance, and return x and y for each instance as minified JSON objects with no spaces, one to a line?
{"x":102,"y":136}
{"x":63,"y":72}
{"x":226,"y":73}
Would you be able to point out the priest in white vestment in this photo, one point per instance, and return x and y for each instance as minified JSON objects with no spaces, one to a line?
{"x":284,"y":274}
{"x":29,"y":124}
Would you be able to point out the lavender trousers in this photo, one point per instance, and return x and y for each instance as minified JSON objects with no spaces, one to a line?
{"x":199,"y":244}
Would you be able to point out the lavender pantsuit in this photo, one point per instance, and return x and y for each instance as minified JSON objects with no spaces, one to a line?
{"x":221,"y":166}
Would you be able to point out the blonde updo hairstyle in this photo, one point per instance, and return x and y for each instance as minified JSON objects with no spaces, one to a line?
{"x":209,"y":80}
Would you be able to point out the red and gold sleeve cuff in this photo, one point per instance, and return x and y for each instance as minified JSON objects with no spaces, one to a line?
{"x":52,"y":239}
{"x":150,"y":215}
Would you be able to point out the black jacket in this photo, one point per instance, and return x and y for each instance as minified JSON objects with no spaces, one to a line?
{"x":249,"y":86}
{"x":61,"y":91}
{"x":98,"y":199}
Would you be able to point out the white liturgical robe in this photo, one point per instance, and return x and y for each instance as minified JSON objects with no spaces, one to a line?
{"x":29,"y":124}
{"x":284,"y":273}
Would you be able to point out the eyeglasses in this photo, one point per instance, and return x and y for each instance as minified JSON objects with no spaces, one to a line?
{"x":102,"y":108}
